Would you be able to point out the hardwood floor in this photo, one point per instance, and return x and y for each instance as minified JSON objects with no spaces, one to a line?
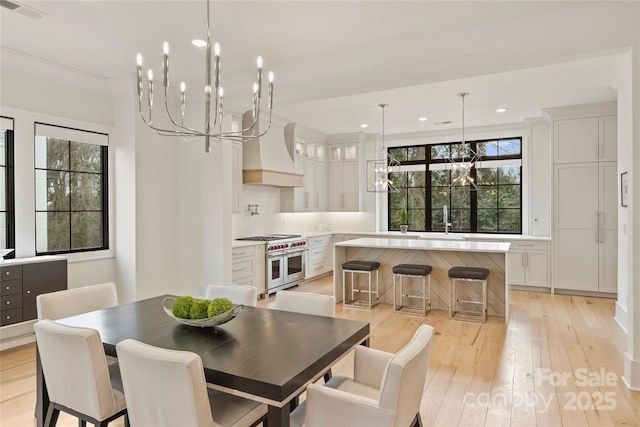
{"x":559,"y":356}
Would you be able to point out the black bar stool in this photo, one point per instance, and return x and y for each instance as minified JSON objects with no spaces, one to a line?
{"x":469,"y":275}
{"x":412,"y":270}
{"x":362,"y":267}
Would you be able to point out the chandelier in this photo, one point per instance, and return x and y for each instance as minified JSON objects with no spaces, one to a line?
{"x":461,"y":168}
{"x":213,"y":97}
{"x":380,"y":169}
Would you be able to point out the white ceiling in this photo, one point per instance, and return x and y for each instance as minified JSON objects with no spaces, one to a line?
{"x":335,"y":61}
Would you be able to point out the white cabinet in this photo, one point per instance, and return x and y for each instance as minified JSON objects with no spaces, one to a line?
{"x":248,"y":267}
{"x":343,"y":193}
{"x":311,"y":196}
{"x":236,"y":178}
{"x":529,"y":264}
{"x":588,"y":139}
{"x":585,"y":227}
{"x":320,"y":255}
{"x":309,"y":157}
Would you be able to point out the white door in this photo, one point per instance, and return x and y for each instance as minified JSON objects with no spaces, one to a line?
{"x":608,"y":229}
{"x":335,"y":195}
{"x":576,"y":140}
{"x":608,"y":127}
{"x":516,"y":267}
{"x":350,"y":186}
{"x":537,"y":268}
{"x":575,"y":239}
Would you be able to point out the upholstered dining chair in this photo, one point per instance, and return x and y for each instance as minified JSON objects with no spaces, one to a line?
{"x":56,"y":305}
{"x":238,"y":294}
{"x":386,"y":389}
{"x":307,"y":303}
{"x":168,"y":388}
{"x":79,"y":380}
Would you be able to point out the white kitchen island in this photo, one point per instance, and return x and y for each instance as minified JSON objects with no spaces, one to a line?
{"x":441,"y":255}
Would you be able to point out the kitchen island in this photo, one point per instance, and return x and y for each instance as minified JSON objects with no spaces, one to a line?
{"x":441,"y":255}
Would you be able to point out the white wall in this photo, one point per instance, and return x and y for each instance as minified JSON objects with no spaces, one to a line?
{"x":28,"y":99}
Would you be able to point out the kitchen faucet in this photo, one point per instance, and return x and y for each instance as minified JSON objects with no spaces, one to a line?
{"x":447,"y":224}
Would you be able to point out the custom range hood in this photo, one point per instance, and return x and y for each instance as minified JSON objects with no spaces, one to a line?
{"x":266,"y":160}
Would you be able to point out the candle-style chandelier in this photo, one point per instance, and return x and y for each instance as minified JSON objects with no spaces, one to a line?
{"x":460,"y":167}
{"x":213,"y":93}
{"x":380,"y":170}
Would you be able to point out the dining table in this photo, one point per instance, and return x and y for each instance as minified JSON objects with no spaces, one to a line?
{"x":261,"y":354}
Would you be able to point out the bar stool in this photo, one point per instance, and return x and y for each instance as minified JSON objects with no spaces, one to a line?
{"x":413,"y":270}
{"x":361,"y":267}
{"x":470,"y":275}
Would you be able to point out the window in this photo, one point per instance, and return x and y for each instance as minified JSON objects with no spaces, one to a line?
{"x":71,"y":190}
{"x":7,"y":189}
{"x":426,"y":173}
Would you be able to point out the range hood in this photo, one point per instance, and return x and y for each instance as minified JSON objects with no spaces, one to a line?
{"x":266,"y":160}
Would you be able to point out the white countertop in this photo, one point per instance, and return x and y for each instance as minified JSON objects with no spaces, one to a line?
{"x":32,"y":260}
{"x":429,"y":245}
{"x":442,"y":236}
{"x":244,"y":243}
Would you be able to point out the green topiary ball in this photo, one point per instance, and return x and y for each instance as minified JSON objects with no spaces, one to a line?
{"x":218,"y":306}
{"x":182,"y":307}
{"x":199,"y":309}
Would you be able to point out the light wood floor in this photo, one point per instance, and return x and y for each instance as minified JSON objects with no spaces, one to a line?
{"x":540,"y":370}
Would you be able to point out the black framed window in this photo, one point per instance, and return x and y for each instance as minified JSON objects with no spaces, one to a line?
{"x":424,"y":183}
{"x":71,"y":190}
{"x":7,"y":186}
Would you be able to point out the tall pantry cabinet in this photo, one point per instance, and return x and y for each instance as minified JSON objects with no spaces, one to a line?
{"x":585,"y":203}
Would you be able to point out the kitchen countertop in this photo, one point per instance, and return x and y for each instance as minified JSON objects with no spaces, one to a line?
{"x":419,"y":244}
{"x":244,"y":243}
{"x":31,"y":260}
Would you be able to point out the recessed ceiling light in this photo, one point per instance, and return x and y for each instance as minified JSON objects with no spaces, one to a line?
{"x":198,"y":42}
{"x":422,"y":119}
{"x":501,"y":110}
{"x":364,"y":125}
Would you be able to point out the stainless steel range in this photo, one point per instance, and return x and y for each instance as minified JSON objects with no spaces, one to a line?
{"x":286,"y":258}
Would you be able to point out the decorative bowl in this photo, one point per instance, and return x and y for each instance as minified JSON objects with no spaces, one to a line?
{"x":202,"y":323}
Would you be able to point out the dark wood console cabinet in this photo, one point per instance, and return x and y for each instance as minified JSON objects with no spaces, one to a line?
{"x":21,"y":283}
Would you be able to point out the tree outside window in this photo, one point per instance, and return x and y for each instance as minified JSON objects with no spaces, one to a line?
{"x":71,"y":202}
{"x":424,"y":180}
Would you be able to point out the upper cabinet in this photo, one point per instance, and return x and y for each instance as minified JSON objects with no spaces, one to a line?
{"x":309,"y":151}
{"x":588,"y":139}
{"x":343,"y":192}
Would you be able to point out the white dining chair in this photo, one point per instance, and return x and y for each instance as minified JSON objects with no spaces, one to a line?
{"x":386,"y":389}
{"x":307,"y":303}
{"x":168,"y":388}
{"x":56,"y":305}
{"x":238,"y":294}
{"x":79,"y":380}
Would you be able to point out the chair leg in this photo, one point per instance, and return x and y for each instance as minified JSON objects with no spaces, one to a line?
{"x":52,"y":416}
{"x":327,"y":376}
{"x":126,"y":420}
{"x":82,"y":423}
{"x":417,"y":421}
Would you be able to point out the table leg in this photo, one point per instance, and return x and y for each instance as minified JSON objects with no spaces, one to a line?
{"x":278,"y":416}
{"x":42,"y":396}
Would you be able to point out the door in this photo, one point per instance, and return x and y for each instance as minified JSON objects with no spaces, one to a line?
{"x":516,"y":267}
{"x":275,"y":271}
{"x":537,"y":268}
{"x":350,"y":186}
{"x":575,"y":227}
{"x":608,"y":227}
{"x":335,"y":195}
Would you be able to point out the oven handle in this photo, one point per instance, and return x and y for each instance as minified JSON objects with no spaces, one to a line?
{"x":275,"y":254}
{"x":296,"y":252}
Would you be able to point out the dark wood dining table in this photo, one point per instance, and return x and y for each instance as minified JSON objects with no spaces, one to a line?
{"x":266,"y":355}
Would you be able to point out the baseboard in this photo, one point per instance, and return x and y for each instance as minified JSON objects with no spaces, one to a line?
{"x":530,"y":288}
{"x":586,"y":293}
{"x":631,"y":377}
{"x":17,"y":341}
{"x":621,"y":317}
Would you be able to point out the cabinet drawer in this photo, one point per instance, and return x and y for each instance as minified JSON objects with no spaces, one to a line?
{"x":10,"y":272}
{"x":248,"y":281}
{"x":318,"y":241}
{"x":318,"y":268}
{"x":11,"y":287}
{"x":317,"y":255}
{"x":8,"y":302}
{"x":242,"y":268}
{"x":242,"y":252}
{"x":525,"y":245}
{"x":11,"y":316}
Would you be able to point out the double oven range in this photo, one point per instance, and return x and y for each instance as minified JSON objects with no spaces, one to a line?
{"x":286,"y":256}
